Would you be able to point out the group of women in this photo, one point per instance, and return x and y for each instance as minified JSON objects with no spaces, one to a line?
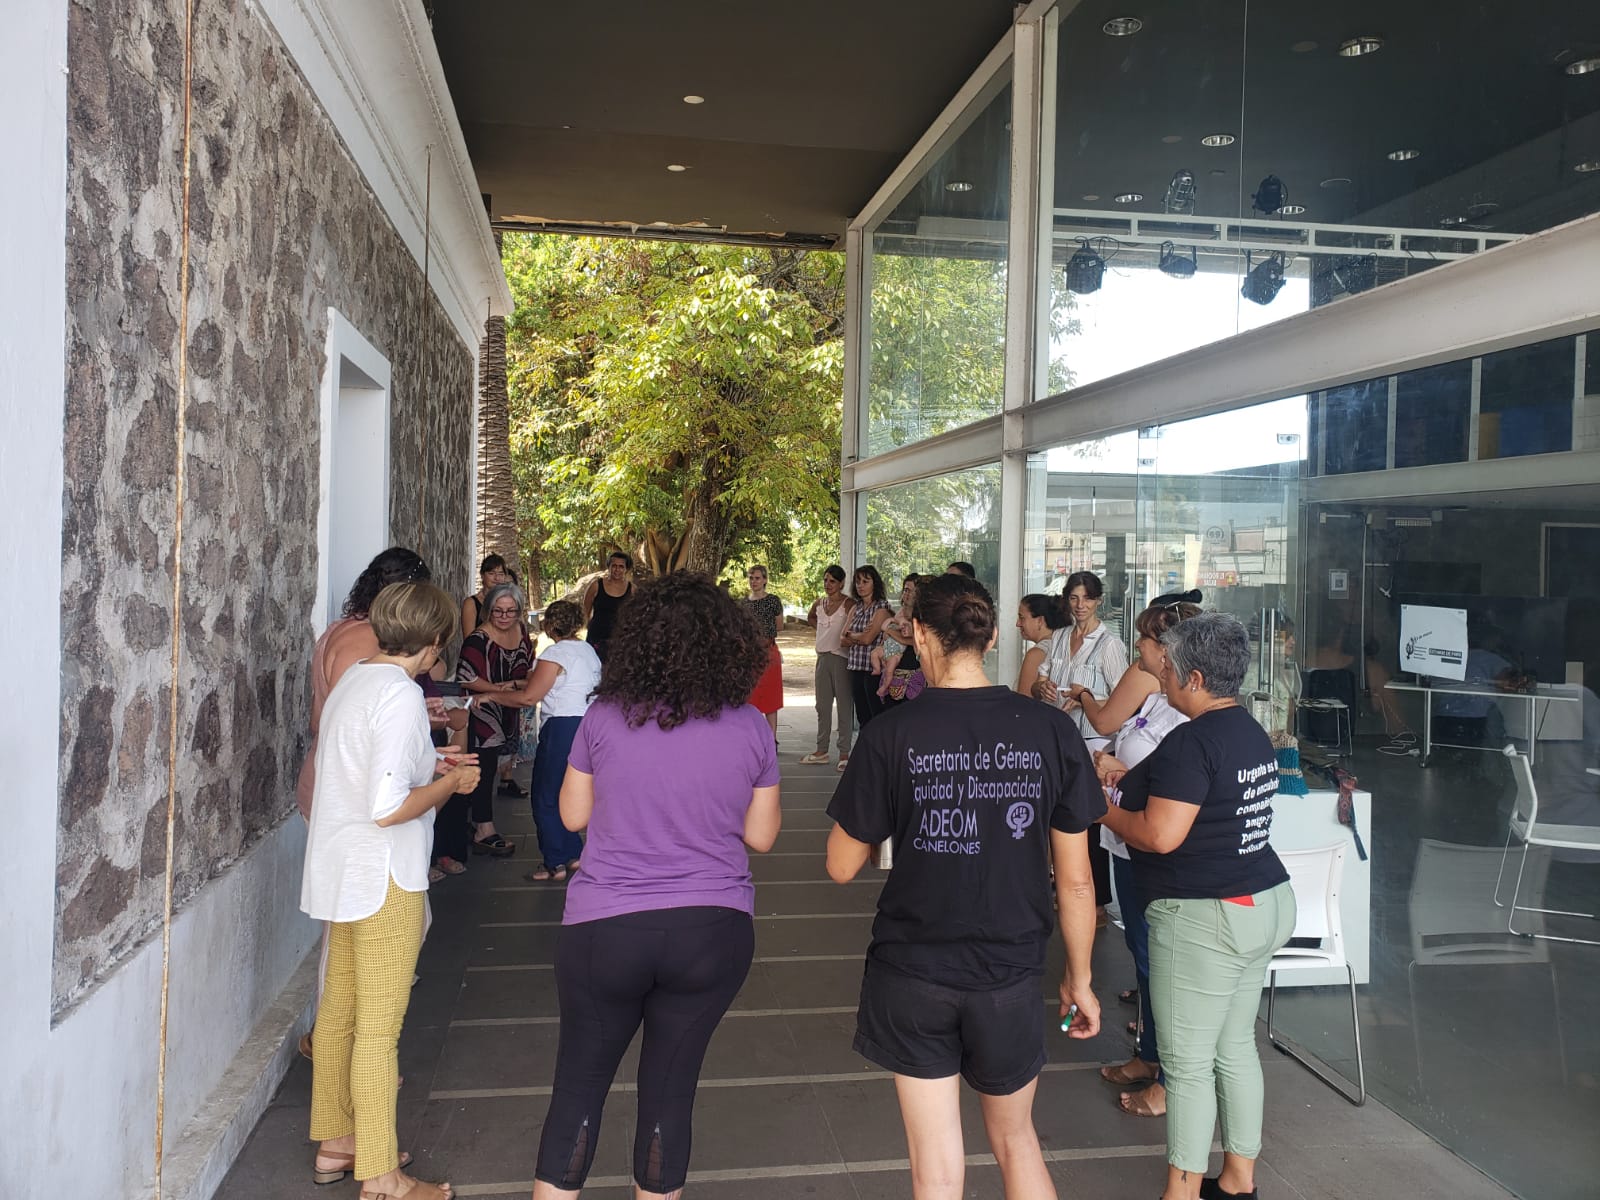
{"x":673,"y":775}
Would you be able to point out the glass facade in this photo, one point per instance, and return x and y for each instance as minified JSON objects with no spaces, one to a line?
{"x":1231,"y":164}
{"x":1214,"y":170}
{"x":936,"y":321}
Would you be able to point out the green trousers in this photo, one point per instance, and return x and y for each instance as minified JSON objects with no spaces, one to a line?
{"x":1208,"y":962}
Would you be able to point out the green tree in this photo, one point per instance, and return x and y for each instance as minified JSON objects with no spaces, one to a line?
{"x":679,"y":401}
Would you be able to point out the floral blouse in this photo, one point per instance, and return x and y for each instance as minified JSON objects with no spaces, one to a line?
{"x":484,"y":658}
{"x":768,"y":612}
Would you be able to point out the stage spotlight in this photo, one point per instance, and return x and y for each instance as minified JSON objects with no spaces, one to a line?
{"x":1264,"y":281}
{"x":1270,"y":196}
{"x":1180,"y":193}
{"x":1175,"y":264}
{"x":1085,"y":269}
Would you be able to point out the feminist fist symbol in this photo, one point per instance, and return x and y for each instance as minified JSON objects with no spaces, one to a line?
{"x":1018,"y":817}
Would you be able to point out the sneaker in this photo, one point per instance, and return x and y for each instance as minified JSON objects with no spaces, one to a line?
{"x":815,"y":758}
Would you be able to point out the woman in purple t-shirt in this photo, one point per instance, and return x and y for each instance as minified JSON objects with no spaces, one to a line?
{"x":673,"y":775}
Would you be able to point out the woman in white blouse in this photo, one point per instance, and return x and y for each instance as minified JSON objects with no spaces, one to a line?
{"x":366,"y":872}
{"x":1085,"y":659}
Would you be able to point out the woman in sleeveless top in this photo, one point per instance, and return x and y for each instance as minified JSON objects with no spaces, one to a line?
{"x":491,"y":574}
{"x":830,"y":613}
{"x":603,"y":600}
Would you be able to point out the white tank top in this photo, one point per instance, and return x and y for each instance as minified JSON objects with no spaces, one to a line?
{"x":830,"y":627}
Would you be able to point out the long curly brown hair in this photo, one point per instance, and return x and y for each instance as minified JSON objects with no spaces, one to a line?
{"x":682,"y":648}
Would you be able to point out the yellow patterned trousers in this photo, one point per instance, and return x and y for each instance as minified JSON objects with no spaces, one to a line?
{"x":355,"y":1071}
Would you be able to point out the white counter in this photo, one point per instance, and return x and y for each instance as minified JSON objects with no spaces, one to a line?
{"x":1309,"y":823}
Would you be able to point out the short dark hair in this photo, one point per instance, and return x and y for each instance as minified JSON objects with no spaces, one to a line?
{"x":964,"y":567}
{"x":871,"y":573}
{"x":682,"y":648}
{"x":958,"y":612}
{"x":394,"y":565}
{"x":1047,"y":608}
{"x":627,"y":559}
{"x":409,"y":617}
{"x":492,"y":563}
{"x":1088,"y":581}
{"x":835,"y":572}
{"x":562,"y":619}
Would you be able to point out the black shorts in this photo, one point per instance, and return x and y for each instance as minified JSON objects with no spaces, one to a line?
{"x":993,"y":1039}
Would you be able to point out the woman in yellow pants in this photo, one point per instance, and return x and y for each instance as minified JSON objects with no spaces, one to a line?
{"x":366,"y":873}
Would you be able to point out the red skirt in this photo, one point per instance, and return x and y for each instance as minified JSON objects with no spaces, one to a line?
{"x":768,"y":694}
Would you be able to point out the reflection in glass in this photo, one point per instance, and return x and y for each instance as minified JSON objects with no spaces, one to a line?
{"x":937,"y":309}
{"x":1525,"y":400}
{"x":924,"y":526}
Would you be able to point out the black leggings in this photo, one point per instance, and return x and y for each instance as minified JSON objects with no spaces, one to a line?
{"x":674,"y":969}
{"x":452,"y":828}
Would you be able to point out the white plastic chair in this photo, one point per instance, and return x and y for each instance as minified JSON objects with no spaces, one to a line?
{"x":1315,"y":876}
{"x":1527,"y":828}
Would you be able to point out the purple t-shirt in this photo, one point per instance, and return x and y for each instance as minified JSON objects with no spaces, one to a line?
{"x":669,"y":805}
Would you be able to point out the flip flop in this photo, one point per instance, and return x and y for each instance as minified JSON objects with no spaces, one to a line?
{"x":540,"y":875}
{"x":451,"y":867}
{"x":1129,"y":996}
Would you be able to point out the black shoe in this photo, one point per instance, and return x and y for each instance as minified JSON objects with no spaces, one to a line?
{"x":510,"y":787}
{"x":1211,"y":1189}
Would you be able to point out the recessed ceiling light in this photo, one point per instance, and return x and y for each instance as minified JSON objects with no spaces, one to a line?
{"x":1135,"y":197}
{"x":1092,"y":196}
{"x":1583,"y":66}
{"x":1122,"y":26}
{"x":1334,"y":181}
{"x":694,"y":99}
{"x":1585,"y":168}
{"x":1303,"y":47}
{"x":1172,"y":139}
{"x":1218,"y":171}
{"x":676,"y":167}
{"x":1357,"y":46}
{"x":1482,"y":208}
{"x":1457,"y":220}
{"x":1217,"y":139}
{"x":1404,"y":155}
{"x":958,"y":185}
{"x":1292,"y":210}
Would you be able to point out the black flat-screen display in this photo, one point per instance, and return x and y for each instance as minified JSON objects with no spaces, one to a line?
{"x":1528,"y":632}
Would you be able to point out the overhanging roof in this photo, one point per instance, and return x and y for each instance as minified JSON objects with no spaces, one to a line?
{"x":573,"y":112}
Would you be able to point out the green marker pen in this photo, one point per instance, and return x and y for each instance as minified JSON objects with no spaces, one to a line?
{"x":1066,"y":1021}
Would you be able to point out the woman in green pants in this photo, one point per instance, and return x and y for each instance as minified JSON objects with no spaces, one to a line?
{"x":1196,"y":815}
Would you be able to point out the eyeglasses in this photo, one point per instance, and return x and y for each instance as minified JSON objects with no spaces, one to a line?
{"x":505,"y":612}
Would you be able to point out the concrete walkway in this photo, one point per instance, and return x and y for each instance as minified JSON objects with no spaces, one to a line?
{"x":785,"y":1109}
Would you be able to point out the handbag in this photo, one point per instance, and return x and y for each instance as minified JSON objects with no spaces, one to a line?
{"x":528,"y":736}
{"x":906,"y":683}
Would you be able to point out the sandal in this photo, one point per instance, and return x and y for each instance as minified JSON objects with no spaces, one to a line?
{"x":1129,"y":996}
{"x":342,"y":1165}
{"x":1122,"y":1077}
{"x":510,"y":787}
{"x":574,"y":865}
{"x":305,"y":1045}
{"x":543,"y":874}
{"x":1137,"y":1104}
{"x":451,"y":867}
{"x":493,"y":844}
{"x":815,"y":758}
{"x":419,"y":1190}
{"x":844,"y":762}
{"x":435,"y":875}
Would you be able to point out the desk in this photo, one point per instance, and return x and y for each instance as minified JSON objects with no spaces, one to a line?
{"x":1309,"y":823}
{"x":1544,"y":693}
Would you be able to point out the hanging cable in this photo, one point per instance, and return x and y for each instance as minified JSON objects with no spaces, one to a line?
{"x":180,"y":441}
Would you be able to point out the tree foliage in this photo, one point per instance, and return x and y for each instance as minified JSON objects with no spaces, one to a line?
{"x":678,"y":401}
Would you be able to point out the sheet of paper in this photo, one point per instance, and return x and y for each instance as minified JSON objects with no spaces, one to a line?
{"x":1433,"y":641}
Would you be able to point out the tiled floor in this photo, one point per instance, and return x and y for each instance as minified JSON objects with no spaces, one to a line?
{"x":785,"y":1109}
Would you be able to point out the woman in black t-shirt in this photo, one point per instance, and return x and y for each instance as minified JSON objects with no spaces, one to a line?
{"x":981,"y":789}
{"x":1196,"y":815}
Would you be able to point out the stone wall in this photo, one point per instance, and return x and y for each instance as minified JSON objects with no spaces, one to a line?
{"x":282,"y":228}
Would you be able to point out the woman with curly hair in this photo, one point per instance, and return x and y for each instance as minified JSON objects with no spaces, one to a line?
{"x":673,"y":775}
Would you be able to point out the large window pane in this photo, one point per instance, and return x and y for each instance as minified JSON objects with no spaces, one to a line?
{"x":1209,"y":168}
{"x":937,"y":277}
{"x":922,"y":527}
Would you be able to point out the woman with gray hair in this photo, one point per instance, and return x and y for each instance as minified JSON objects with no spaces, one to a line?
{"x":1196,"y":815}
{"x":494,"y":665}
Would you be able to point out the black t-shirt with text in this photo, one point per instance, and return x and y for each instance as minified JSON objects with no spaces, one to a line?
{"x":968,"y":783}
{"x":1223,"y":762}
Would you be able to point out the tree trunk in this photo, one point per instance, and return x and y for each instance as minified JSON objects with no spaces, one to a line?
{"x":706,"y":529}
{"x":496,"y":499}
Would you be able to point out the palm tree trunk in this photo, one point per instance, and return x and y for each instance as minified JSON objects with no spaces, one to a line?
{"x":496,"y":499}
